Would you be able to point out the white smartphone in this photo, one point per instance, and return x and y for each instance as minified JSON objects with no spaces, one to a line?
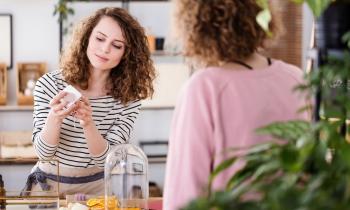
{"x":73,"y":95}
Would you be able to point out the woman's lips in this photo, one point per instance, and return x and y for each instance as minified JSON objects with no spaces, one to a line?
{"x":102,"y":58}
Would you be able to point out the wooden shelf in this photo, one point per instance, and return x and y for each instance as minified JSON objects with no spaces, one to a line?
{"x":18,"y":161}
{"x":156,"y":159}
{"x":164,"y":53}
{"x":16,"y":108}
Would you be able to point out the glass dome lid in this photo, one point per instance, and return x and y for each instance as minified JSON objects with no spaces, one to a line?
{"x":126,"y":177}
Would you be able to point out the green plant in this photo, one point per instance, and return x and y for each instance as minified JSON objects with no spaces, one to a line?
{"x":264,"y":17}
{"x":63,"y":10}
{"x":311,"y":169}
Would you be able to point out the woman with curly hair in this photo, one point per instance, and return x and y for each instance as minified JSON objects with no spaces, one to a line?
{"x":237,"y":91}
{"x":108,"y":61}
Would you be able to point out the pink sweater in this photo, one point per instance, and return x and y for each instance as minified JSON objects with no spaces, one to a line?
{"x":220,"y":109}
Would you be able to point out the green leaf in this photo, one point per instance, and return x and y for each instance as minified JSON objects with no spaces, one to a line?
{"x":236,"y":181}
{"x":264,"y":169}
{"x":263,"y":19}
{"x":199,"y":203}
{"x":289,"y":180}
{"x":264,"y":4}
{"x":298,"y":1}
{"x":312,"y":186}
{"x":289,"y":159}
{"x":70,"y":11}
{"x":258,"y":148}
{"x":241,"y":175}
{"x":222,"y":166}
{"x":318,"y":6}
{"x":291,"y":130}
{"x":344,"y":152}
{"x":346,"y":38}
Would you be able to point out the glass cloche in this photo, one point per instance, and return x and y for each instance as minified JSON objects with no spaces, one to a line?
{"x":126,"y":176}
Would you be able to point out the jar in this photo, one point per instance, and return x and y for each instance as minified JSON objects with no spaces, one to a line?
{"x":126,"y":176}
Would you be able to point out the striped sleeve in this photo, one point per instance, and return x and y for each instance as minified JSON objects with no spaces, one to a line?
{"x":120,"y":131}
{"x":45,"y":90}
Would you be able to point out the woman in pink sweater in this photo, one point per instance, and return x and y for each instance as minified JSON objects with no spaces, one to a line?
{"x":237,"y":91}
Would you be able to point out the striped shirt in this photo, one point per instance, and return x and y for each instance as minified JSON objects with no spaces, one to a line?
{"x":113,"y":120}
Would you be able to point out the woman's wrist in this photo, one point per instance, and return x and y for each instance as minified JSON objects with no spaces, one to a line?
{"x":87,"y":124}
{"x":54,"y":119}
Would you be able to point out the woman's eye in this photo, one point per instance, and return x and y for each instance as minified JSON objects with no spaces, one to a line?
{"x":99,"y":39}
{"x":117,"y":47}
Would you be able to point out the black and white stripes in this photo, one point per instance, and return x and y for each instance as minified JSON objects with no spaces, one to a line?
{"x":113,"y":120}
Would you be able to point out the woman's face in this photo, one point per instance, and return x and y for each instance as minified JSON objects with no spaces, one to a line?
{"x":106,"y":44}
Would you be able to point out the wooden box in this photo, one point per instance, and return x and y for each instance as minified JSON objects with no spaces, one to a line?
{"x":27,"y":75}
{"x":3,"y":83}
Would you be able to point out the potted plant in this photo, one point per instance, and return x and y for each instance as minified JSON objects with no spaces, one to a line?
{"x":310,"y":170}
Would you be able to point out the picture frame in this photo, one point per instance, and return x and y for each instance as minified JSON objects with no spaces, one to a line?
{"x":3,"y":83}
{"x":27,"y":75}
{"x":6,"y":46}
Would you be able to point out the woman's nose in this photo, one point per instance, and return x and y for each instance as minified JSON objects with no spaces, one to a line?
{"x":106,"y":48}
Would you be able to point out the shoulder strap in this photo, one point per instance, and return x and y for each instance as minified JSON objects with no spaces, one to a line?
{"x":243,"y":64}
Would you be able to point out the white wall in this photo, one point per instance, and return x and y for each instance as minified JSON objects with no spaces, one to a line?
{"x":35,"y":35}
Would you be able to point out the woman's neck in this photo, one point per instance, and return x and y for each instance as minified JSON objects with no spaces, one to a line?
{"x":256,"y":61}
{"x":98,"y":83}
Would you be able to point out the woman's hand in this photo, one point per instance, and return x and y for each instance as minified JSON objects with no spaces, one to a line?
{"x":84,"y":112}
{"x":58,"y":107}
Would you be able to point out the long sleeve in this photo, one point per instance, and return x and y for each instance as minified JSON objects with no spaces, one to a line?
{"x":221,"y":109}
{"x":113,"y":120}
{"x":44,"y":91}
{"x":190,"y":147}
{"x":120,"y":130}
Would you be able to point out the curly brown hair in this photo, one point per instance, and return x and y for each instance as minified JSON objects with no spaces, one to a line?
{"x":132,"y":78}
{"x":221,"y":30}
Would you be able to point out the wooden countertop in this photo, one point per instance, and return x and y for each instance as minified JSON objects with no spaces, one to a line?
{"x":32,"y":161}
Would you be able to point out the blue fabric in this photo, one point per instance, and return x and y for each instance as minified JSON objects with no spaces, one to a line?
{"x":35,"y":177}
{"x":39,"y":176}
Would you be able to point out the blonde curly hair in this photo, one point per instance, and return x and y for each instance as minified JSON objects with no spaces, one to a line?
{"x":132,"y":78}
{"x":221,"y":30}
